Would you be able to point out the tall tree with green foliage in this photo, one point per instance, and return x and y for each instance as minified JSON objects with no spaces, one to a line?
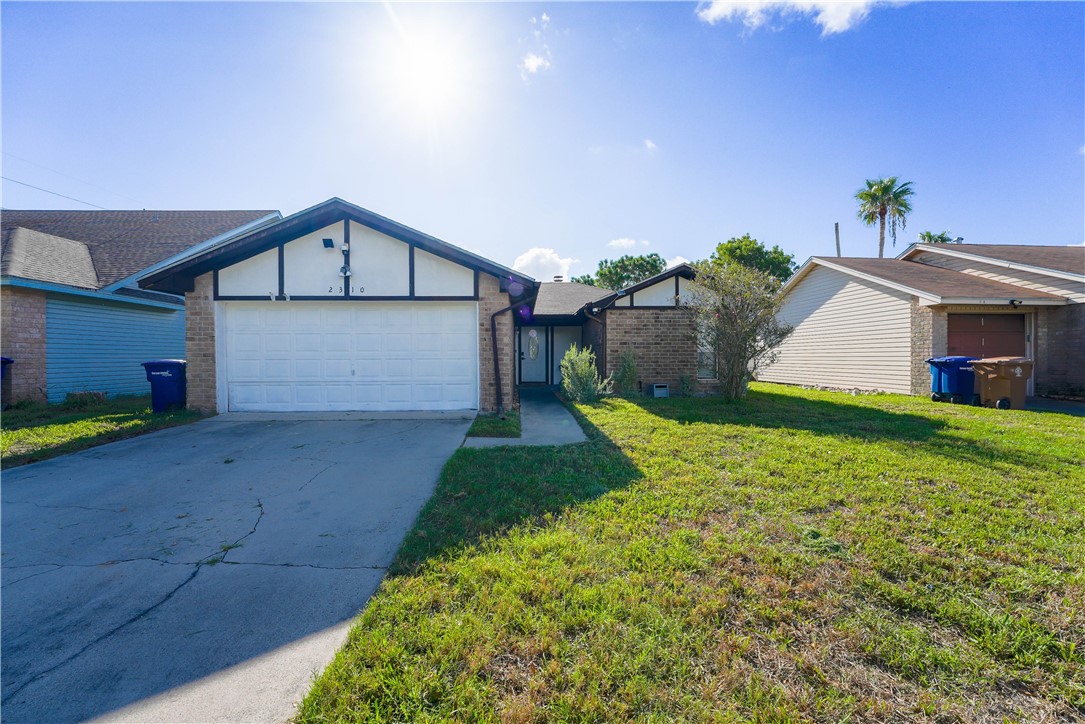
{"x":732,"y":309}
{"x":929,"y":237}
{"x":884,"y":201}
{"x":625,"y":271}
{"x":750,"y":252}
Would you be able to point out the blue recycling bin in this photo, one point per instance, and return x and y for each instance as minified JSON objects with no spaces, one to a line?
{"x":953,"y":379}
{"x":4,"y":362}
{"x":167,"y":378}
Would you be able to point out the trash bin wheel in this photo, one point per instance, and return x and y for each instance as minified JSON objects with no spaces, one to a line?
{"x":1003,"y":403}
{"x":935,"y":397}
{"x":956,"y":399}
{"x":977,"y":401}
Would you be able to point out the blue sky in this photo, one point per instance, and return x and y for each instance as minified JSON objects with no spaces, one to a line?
{"x":560,"y":133}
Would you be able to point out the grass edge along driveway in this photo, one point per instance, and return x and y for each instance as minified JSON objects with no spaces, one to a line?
{"x":38,"y":432}
{"x":798,"y":555}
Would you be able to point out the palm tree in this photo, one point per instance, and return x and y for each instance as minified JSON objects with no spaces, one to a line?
{"x":884,"y":199}
{"x":929,"y":237}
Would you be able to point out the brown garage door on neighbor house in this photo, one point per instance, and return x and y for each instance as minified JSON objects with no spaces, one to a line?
{"x":987,"y":335}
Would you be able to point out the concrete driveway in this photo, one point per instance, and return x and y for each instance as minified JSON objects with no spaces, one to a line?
{"x":203,"y":573}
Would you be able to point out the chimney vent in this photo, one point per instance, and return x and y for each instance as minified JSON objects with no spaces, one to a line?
{"x":559,"y":278}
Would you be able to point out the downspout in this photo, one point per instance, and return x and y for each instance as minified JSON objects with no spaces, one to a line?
{"x":493,"y":346}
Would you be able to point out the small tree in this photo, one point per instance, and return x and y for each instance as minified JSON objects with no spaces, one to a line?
{"x":624,"y":271}
{"x":733,"y":313}
{"x":750,"y":252}
{"x":580,"y":377}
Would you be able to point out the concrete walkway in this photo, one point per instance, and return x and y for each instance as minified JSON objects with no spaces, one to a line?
{"x":543,"y":421}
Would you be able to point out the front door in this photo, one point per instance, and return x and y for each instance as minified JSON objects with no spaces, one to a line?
{"x":533,"y":354}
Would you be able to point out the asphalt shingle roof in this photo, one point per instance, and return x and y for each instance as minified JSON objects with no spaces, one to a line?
{"x":935,"y":280}
{"x":1070,"y":259}
{"x":33,"y":255}
{"x":119,"y":243}
{"x":561,"y":298}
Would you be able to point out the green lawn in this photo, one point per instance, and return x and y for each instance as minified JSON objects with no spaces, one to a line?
{"x":37,"y":431}
{"x":798,"y":555}
{"x":505,"y":425}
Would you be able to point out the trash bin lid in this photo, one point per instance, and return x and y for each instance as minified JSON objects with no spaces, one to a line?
{"x":6,"y":360}
{"x":951,"y":359}
{"x":180,"y":362}
{"x":1005,"y":360}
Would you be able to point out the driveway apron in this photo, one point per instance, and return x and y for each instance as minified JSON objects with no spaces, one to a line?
{"x":202,"y":573}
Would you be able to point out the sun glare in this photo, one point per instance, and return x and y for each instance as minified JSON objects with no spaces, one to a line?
{"x":426,"y":71}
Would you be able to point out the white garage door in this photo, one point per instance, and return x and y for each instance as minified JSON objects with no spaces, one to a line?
{"x":312,"y":356}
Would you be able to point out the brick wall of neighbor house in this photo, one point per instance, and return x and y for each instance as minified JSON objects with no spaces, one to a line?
{"x":1060,"y":349}
{"x":200,"y":345}
{"x":930,"y":330}
{"x":22,"y":338}
{"x":662,"y":344}
{"x":490,"y":300}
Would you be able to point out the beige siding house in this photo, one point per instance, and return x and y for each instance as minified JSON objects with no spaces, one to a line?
{"x":853,"y":333}
{"x":871,"y":324}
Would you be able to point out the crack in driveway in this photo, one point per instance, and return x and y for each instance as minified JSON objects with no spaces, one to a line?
{"x":11,"y":694}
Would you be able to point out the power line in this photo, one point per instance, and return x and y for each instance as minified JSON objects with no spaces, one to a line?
{"x":72,"y":178}
{"x":54,"y":193}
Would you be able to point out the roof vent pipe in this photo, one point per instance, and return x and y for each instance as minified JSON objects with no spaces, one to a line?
{"x":559,"y":278}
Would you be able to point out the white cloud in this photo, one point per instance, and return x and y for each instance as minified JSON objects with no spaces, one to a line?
{"x":650,"y":145}
{"x":675,"y":261}
{"x":537,"y":59}
{"x":543,"y":264}
{"x":624,"y":243}
{"x":1081,"y":150}
{"x":833,"y":16}
{"x":533,"y":63}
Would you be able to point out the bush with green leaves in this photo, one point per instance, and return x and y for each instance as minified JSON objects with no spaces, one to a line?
{"x":580,"y":377}
{"x":686,"y":386}
{"x":625,"y":378}
{"x":733,"y":308}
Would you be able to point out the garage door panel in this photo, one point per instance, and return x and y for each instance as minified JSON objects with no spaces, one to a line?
{"x":398,"y":368}
{"x":284,"y":356}
{"x":366,"y":394}
{"x":397,"y":393}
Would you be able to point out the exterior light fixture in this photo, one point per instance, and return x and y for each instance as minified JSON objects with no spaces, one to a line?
{"x":1015,"y":303}
{"x":344,"y":271}
{"x":329,"y":243}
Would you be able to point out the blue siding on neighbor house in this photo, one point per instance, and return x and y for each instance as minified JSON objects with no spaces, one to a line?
{"x":98,"y":346}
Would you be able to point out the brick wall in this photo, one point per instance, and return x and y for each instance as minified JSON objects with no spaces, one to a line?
{"x":663,"y":345}
{"x":1060,"y":351}
{"x":929,"y":333}
{"x":200,"y":345}
{"x":490,"y":300}
{"x":22,"y":338}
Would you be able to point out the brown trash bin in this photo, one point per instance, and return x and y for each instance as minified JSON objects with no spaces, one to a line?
{"x":1001,"y":381}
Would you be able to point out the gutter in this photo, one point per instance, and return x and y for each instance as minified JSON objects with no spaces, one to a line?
{"x":93,"y":294}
